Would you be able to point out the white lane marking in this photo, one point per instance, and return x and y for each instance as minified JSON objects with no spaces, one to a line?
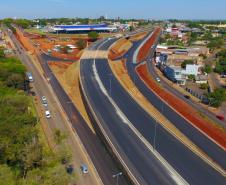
{"x":173,"y":174}
{"x":138,"y":49}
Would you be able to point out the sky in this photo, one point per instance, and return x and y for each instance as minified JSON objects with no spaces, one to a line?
{"x":152,"y":9}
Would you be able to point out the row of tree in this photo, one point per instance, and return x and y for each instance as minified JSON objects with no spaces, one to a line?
{"x":24,"y":159}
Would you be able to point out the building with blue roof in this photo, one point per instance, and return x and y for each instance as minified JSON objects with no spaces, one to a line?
{"x":83,"y":28}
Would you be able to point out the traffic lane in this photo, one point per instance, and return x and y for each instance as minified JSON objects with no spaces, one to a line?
{"x":204,"y":143}
{"x":56,"y":121}
{"x":101,"y":160}
{"x":192,"y":164}
{"x":141,"y":161}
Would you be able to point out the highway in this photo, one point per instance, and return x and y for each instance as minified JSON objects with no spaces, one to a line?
{"x":208,"y":146}
{"x":102,"y":161}
{"x":142,"y":164}
{"x":117,"y":119}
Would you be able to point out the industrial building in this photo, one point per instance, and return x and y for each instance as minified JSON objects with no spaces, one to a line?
{"x":82,"y":28}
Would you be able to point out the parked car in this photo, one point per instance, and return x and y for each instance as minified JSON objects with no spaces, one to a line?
{"x":47,"y":113}
{"x":84,"y":168}
{"x":44,"y":101}
{"x":187,"y":97}
{"x":29,"y":77}
{"x":220,"y":117}
{"x":70,"y":169}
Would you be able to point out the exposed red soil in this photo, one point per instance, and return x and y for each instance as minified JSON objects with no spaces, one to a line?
{"x":24,"y":41}
{"x":113,"y":54}
{"x":63,"y":65}
{"x":143,"y":53}
{"x":119,"y":49}
{"x":47,"y":43}
{"x":217,"y":134}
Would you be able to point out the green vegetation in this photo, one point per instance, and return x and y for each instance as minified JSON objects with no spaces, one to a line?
{"x":175,"y":42}
{"x":2,"y":54}
{"x":184,"y":63}
{"x":192,"y":37}
{"x":24,"y":23}
{"x":204,"y":86}
{"x":24,"y":158}
{"x":207,"y":69}
{"x":64,"y":49}
{"x":221,"y":62}
{"x":215,"y":43}
{"x":93,"y":35}
{"x":34,"y":31}
{"x":191,"y":77}
{"x":217,"y":97}
{"x":81,"y":44}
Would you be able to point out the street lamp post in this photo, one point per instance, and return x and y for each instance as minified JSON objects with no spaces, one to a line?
{"x":155,"y":135}
{"x":156,"y":124}
{"x":117,"y":177}
{"x":110,"y":75}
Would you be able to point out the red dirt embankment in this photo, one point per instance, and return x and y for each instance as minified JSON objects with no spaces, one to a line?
{"x":143,"y":53}
{"x":119,"y":48}
{"x":24,"y":41}
{"x":206,"y":126}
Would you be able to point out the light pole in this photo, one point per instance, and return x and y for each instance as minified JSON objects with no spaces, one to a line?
{"x":70,"y":104}
{"x":110,"y":75}
{"x":156,"y":124}
{"x":155,"y":135}
{"x":117,"y":177}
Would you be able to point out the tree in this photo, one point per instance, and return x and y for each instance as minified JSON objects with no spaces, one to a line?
{"x":16,"y":81}
{"x":93,"y":35}
{"x":167,"y":36}
{"x":64,"y":49}
{"x":207,"y":69}
{"x":81,"y":44}
{"x":220,"y":67}
{"x":221,"y":53}
{"x":215,"y":44}
{"x":2,"y":54}
{"x":185,"y":62}
{"x":204,"y":86}
{"x":217,"y":97}
{"x":31,"y":155}
{"x":6,"y":175}
{"x":59,"y":136}
{"x":191,"y":77}
{"x":131,"y":28}
{"x":24,"y":23}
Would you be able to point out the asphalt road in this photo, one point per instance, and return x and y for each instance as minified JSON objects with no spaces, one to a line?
{"x":143,"y":165}
{"x":101,"y":159}
{"x":208,"y":146}
{"x":186,"y":163}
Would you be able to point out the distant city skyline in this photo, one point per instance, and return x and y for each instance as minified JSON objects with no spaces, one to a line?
{"x":146,"y":9}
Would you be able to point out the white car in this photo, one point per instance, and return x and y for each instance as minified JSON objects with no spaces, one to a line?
{"x":84,"y":168}
{"x":44,"y":101}
{"x":47,"y":113}
{"x":158,"y":79}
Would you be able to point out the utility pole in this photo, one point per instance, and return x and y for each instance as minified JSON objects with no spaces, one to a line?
{"x":110,"y":75}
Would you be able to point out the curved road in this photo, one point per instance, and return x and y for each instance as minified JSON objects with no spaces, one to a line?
{"x":186,"y":163}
